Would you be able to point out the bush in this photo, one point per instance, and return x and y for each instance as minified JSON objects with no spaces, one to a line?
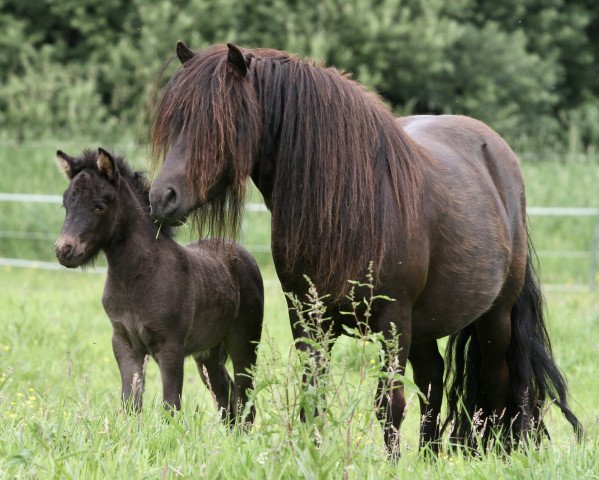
{"x":49,"y":99}
{"x":527,"y":68}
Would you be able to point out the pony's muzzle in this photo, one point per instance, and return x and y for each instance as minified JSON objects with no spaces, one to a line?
{"x":164,"y":204}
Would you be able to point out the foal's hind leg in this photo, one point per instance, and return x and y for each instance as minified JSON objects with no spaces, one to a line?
{"x":428,"y":366}
{"x":242,"y":346}
{"x":216,"y":378}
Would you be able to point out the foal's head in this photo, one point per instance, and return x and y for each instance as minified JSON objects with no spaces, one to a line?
{"x":92,"y":209}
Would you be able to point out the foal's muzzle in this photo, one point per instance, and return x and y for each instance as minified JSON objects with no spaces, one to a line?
{"x":69,"y":251}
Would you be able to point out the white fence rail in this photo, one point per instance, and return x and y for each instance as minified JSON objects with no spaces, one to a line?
{"x":259,"y":207}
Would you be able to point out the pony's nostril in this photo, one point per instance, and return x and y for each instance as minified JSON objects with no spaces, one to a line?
{"x":170,"y":200}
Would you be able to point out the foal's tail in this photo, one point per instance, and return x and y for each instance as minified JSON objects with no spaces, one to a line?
{"x":534,"y":375}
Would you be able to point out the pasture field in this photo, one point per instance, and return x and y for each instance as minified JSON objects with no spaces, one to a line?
{"x":60,"y":415}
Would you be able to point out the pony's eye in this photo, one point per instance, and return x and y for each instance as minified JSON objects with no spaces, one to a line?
{"x":100,"y":207}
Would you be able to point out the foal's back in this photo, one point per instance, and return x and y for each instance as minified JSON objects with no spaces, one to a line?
{"x":227,"y":291}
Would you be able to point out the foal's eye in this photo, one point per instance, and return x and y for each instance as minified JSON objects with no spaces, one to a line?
{"x":100,"y":207}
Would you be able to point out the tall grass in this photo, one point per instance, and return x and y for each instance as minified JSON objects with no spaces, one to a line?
{"x":60,"y":412}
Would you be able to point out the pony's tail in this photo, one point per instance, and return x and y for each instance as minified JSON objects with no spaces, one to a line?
{"x":534,"y":375}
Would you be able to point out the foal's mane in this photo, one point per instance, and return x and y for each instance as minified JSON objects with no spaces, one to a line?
{"x":341,"y":172}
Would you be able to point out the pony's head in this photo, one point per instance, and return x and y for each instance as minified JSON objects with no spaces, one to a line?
{"x":206,"y":128}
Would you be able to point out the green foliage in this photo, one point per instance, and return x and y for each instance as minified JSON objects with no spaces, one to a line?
{"x":527,"y":67}
{"x":47,"y":98}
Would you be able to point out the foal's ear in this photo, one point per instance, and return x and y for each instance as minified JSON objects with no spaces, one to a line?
{"x":65,"y":164}
{"x":106,"y":164}
{"x":184,"y":53}
{"x":237,"y":60}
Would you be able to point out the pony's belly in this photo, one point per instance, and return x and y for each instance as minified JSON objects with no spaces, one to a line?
{"x":449,"y":308}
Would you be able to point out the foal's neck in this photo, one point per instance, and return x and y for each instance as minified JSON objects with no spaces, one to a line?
{"x":129,"y":250}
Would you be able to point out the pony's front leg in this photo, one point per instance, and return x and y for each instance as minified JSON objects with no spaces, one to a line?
{"x":171,"y":358}
{"x":314,"y":367}
{"x":131,"y":366}
{"x":394,"y":321}
{"x":428,"y":366}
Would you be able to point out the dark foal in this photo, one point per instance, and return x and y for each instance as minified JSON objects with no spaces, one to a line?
{"x":163,"y":299}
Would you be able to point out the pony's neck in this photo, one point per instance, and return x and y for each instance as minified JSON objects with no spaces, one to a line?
{"x":264,"y":168}
{"x":130,"y":245}
{"x":263,"y":177}
{"x":338,"y":173}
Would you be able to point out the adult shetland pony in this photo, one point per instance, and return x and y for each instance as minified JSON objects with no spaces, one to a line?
{"x":435,"y":202}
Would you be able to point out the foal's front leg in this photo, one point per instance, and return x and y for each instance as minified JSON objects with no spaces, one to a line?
{"x":131,"y":366}
{"x":171,"y":358}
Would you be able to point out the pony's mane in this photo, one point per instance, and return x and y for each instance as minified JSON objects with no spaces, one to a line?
{"x":343,"y":172}
{"x":137,"y":180}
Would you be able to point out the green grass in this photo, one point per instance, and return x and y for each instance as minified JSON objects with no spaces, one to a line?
{"x":60,"y":415}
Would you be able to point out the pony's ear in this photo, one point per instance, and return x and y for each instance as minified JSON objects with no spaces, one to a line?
{"x":237,"y":60}
{"x":184,"y":52}
{"x":65,"y":164}
{"x":106,"y":164}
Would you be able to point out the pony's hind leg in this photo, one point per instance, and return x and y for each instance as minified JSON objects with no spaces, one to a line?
{"x":211,"y":366}
{"x":493,"y":330}
{"x":428,"y":365}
